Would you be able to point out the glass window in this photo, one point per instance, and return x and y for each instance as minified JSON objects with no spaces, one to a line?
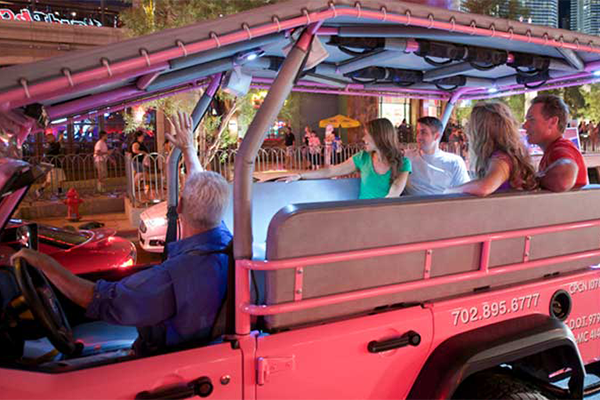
{"x":396,"y":109}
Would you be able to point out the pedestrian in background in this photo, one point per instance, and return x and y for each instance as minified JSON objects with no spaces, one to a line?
{"x":56,"y":175}
{"x":139,"y":152}
{"x":290,"y":140}
{"x":101,"y":153}
{"x":314,"y":148}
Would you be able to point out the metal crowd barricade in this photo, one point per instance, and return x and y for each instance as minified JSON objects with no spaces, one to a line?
{"x":143,"y":177}
{"x":76,"y":171}
{"x":147,"y":178}
{"x":149,"y":185}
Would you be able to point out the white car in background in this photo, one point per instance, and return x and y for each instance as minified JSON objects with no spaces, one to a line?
{"x":153,"y":228}
{"x":153,"y":221}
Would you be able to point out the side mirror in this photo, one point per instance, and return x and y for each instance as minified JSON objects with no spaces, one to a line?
{"x":27,"y":236}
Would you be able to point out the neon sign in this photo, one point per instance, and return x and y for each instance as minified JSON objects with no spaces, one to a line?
{"x":39,"y":16}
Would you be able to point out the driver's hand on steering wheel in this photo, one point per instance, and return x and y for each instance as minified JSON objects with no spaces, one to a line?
{"x":35,"y":258}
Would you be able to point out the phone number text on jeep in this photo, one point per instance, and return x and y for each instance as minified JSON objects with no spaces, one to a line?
{"x":488,"y":310}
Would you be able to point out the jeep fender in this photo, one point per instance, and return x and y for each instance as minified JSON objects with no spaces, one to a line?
{"x":505,"y":342}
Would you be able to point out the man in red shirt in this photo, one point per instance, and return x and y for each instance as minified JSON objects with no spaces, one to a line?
{"x":562,"y":166}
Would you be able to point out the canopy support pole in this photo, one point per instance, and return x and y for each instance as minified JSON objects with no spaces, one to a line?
{"x":450,"y":106}
{"x":175,"y":157}
{"x":244,"y":167}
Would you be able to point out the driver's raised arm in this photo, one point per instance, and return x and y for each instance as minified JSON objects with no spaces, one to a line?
{"x":183,"y":138}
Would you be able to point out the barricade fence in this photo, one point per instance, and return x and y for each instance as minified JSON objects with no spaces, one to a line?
{"x":144,"y":177}
{"x":77,"y":171}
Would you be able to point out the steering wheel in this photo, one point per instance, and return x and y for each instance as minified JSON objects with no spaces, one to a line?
{"x":45,"y":307}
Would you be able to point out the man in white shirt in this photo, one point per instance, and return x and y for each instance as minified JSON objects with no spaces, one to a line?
{"x":433,"y":170}
{"x":101,"y":154}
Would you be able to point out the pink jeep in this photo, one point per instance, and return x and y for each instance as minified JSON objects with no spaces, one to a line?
{"x":334,"y":297}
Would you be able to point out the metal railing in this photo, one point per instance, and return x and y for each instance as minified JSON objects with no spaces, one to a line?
{"x":77,"y":171}
{"x":247,"y":308}
{"x":147,"y":178}
{"x":143,"y":177}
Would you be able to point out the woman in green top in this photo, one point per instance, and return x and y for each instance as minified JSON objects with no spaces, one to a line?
{"x":383,"y":169}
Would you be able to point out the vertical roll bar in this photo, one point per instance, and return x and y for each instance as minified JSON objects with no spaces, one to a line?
{"x":245,"y":159}
{"x":244,"y":166}
{"x":450,"y":106}
{"x":175,"y":156}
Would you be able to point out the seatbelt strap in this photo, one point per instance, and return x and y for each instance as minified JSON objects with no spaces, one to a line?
{"x":225,"y":320}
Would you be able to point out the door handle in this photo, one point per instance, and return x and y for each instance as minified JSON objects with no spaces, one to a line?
{"x":410,"y":338}
{"x":201,"y":387}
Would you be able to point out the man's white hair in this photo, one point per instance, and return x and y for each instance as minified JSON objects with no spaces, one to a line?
{"x":205,"y":196}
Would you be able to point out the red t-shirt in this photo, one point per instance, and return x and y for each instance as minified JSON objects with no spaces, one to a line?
{"x":564,"y":148}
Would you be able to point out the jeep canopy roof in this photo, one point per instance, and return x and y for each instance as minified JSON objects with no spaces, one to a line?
{"x":390,"y":48}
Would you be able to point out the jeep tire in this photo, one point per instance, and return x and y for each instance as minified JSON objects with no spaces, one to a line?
{"x":497,"y":385}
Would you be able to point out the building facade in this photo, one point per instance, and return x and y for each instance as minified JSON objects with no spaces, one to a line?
{"x":32,"y":30}
{"x":585,"y":16}
{"x":541,"y":12}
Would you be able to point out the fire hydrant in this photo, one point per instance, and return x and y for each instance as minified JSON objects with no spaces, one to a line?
{"x":73,"y":201}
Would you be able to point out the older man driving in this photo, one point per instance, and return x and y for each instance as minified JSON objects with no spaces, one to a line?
{"x":178,"y":300}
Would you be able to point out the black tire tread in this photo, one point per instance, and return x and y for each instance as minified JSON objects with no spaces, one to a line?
{"x":497,"y":385}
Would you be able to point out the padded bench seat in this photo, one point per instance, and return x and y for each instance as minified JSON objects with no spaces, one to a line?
{"x":270,"y":197}
{"x":321,"y":228}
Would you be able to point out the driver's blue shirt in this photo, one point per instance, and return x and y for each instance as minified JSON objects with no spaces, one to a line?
{"x":183,"y":294}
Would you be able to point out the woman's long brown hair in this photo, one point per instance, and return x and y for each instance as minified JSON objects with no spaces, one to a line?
{"x":386,"y":140}
{"x":492,"y":127}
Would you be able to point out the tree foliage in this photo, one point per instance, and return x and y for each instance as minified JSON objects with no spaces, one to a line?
{"x":157,"y":15}
{"x":516,"y":104}
{"x":592,"y":103}
{"x":511,"y":9}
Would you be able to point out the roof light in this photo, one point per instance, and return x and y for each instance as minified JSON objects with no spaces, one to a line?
{"x":59,"y":121}
{"x":249,"y":56}
{"x":597,"y":73}
{"x":493,"y":90}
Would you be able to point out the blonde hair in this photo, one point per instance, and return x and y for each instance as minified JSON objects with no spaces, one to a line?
{"x":386,"y":140}
{"x":492,"y":127}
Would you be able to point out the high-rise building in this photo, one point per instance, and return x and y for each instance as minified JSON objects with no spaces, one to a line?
{"x":541,"y":12}
{"x":585,"y":16}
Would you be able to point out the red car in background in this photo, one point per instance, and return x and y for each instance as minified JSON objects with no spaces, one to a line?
{"x":82,"y":252}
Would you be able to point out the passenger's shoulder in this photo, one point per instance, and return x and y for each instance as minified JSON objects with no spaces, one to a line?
{"x":451,"y":157}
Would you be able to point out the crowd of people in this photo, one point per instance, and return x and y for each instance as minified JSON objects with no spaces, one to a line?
{"x":589,"y":133}
{"x":318,"y":153}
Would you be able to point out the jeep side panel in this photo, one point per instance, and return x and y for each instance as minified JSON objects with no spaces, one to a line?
{"x":334,"y":361}
{"x":175,"y":372}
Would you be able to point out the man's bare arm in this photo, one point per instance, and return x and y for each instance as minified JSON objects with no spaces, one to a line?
{"x":560,"y":176}
{"x":78,"y":290}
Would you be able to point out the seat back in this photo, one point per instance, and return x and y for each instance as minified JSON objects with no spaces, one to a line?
{"x":270,"y":197}
{"x":314,"y":229}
